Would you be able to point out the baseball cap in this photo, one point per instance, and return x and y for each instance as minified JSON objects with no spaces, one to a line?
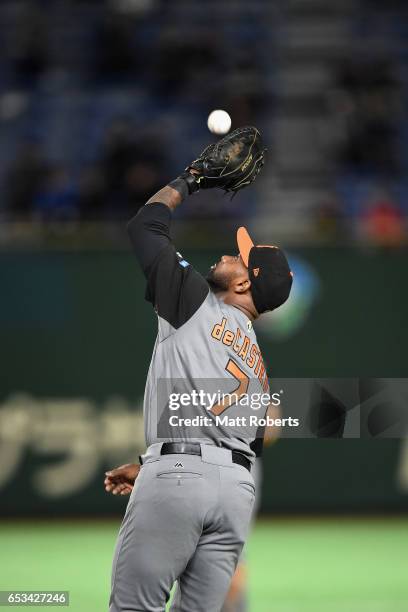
{"x":269,"y":272}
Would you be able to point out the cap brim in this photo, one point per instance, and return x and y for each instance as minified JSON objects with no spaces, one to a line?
{"x":245,"y":244}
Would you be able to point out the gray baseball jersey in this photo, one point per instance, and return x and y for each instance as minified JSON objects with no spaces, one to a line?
{"x":205,"y":349}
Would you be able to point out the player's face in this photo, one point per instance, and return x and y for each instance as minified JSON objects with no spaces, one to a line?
{"x":223,"y":273}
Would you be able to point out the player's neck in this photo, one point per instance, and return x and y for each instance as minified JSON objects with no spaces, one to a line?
{"x":242,"y":302}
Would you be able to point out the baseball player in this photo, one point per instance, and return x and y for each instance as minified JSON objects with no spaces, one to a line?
{"x":188,"y":514}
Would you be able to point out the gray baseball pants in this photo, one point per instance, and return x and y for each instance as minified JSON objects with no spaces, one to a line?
{"x":186,"y":521}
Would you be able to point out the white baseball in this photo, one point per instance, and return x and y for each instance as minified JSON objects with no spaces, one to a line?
{"x":219,"y":122}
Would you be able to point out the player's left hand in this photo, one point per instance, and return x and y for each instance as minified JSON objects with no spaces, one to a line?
{"x":121,"y":480}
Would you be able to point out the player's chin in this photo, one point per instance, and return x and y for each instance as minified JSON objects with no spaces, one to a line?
{"x":210,"y":274}
{"x":212,"y":281}
{"x":216,"y":282}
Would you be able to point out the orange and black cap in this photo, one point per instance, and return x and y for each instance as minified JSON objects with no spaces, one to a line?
{"x":269,"y":272}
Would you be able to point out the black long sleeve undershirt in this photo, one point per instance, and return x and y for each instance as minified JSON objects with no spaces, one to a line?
{"x":149,"y":232}
{"x":174,"y":288}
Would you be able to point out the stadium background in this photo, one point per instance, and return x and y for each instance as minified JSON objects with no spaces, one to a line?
{"x":101,"y":103}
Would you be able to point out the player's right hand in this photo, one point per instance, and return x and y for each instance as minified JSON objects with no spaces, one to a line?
{"x":121,"y":480}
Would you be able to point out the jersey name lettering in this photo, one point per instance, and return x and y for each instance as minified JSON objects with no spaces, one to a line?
{"x":241,"y":344}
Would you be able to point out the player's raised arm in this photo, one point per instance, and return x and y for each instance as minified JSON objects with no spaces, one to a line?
{"x":174,"y":288}
{"x":149,"y":230}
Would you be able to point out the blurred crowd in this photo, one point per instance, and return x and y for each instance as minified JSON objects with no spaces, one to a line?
{"x":82,"y":84}
{"x":131,"y":70}
{"x":128,"y":170}
{"x":366,"y":105}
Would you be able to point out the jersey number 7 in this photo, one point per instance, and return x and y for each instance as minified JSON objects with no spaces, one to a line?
{"x":231,"y":398}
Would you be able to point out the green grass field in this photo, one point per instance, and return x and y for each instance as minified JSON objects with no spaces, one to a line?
{"x":297,"y":565}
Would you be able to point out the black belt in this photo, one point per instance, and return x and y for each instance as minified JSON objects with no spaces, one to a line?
{"x":192,"y":448}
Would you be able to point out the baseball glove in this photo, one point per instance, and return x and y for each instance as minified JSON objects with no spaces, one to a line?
{"x":230,"y":164}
